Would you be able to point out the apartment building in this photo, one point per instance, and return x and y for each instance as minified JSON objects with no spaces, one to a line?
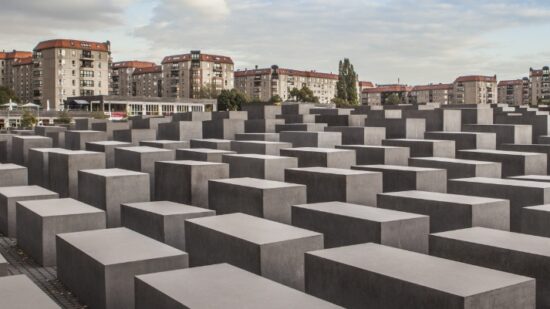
{"x":7,"y":59}
{"x":514,"y":92}
{"x":475,"y":89}
{"x":65,"y":68}
{"x":22,"y":75}
{"x":147,"y":82}
{"x":379,"y":94}
{"x":121,"y":76}
{"x":540,"y":85}
{"x":432,"y":93}
{"x":187,"y":75}
{"x":262,"y":84}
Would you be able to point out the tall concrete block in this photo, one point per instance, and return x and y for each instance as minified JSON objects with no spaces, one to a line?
{"x":9,"y":196}
{"x":99,"y":266}
{"x":513,"y":162}
{"x":43,"y":130}
{"x":400,"y":178}
{"x":63,"y":169}
{"x":76,"y":140}
{"x":211,"y":143}
{"x":142,"y":159}
{"x":368,"y":276}
{"x":297,"y":118}
{"x":262,"y":125}
{"x":186,"y":181}
{"x":39,"y":221}
{"x":110,"y":127}
{"x":519,"y":193}
{"x":400,"y":128}
{"x":233,"y":115}
{"x":450,"y":211}
{"x":323,"y":157}
{"x":260,"y":111}
{"x":331,"y":184}
{"x":506,"y":133}
{"x":106,"y":189}
{"x":107,"y":147}
{"x":192,"y":116}
{"x":134,"y":136}
{"x":466,"y":140}
{"x":162,"y":220}
{"x":300,"y":127}
{"x":460,"y":168}
{"x":545,"y":149}
{"x":344,"y":224}
{"x":267,"y":248}
{"x":425,"y":147}
{"x":150,"y":122}
{"x":222,"y":128}
{"x":58,"y":138}
{"x":180,"y":130}
{"x":259,"y":147}
{"x":38,"y":165}
{"x":510,"y":252}
{"x":360,"y":135}
{"x":259,"y":166}
{"x":367,"y":154}
{"x":13,"y":175}
{"x":19,"y":291}
{"x":342,"y":120}
{"x":202,"y":154}
{"x":181,"y":288}
{"x":6,"y":147}
{"x":311,"y":139}
{"x":22,"y":144}
{"x":257,"y":197}
{"x":534,"y":220}
{"x":86,"y":123}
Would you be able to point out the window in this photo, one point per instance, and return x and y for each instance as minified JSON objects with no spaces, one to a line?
{"x":86,"y":83}
{"x":74,"y":72}
{"x":86,"y":73}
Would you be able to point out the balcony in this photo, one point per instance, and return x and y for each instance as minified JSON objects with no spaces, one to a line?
{"x":86,"y":54}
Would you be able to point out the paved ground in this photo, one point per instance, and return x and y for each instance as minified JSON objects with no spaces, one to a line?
{"x":44,"y":277}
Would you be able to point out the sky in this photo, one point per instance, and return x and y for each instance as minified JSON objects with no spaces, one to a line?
{"x":416,"y":42}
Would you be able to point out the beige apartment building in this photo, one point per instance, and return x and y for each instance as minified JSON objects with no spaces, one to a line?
{"x":147,"y":82}
{"x":379,"y":94}
{"x":432,"y":93}
{"x":475,"y":89}
{"x":187,"y":75}
{"x":7,"y":59}
{"x":540,"y":85}
{"x":67,"y":68}
{"x":22,"y":79}
{"x":513,"y":92}
{"x":121,"y":76}
{"x":263,"y":84}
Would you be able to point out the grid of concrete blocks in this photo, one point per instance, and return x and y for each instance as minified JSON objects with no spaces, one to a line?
{"x":291,"y":206}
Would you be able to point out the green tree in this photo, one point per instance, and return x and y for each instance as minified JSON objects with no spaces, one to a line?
{"x":98,"y":115}
{"x":208,"y":91}
{"x":63,"y":117}
{"x":231,"y":100}
{"x":6,"y":95}
{"x":392,"y":99}
{"x":275,"y":99}
{"x":303,"y":95}
{"x":346,"y":87}
{"x":28,"y":120}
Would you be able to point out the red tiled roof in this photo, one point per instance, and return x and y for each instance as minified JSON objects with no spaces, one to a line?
{"x":476,"y":78}
{"x":290,"y":72}
{"x":132,"y":64}
{"x":204,"y":57}
{"x":73,"y":44}
{"x":388,"y":88}
{"x":153,"y":69}
{"x":22,"y":61}
{"x":366,"y":84}
{"x":536,"y":73}
{"x":16,"y":54}
{"x":503,"y":83}
{"x":433,"y":87}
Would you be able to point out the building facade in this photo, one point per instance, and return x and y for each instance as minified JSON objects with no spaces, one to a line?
{"x":65,"y":68}
{"x":378,"y":95}
{"x":263,"y":84}
{"x":22,"y":79}
{"x":7,"y":60}
{"x":513,"y":92}
{"x":475,"y":89}
{"x":432,"y":93}
{"x":540,"y":85}
{"x":195,"y":74}
{"x":121,"y":76}
{"x":147,"y":82}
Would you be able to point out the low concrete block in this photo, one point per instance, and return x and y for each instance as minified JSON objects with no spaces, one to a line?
{"x":323,"y":157}
{"x":259,"y":147}
{"x":466,"y":140}
{"x":110,"y":126}
{"x":262,"y":125}
{"x":263,"y":247}
{"x":19,"y":291}
{"x":13,"y":175}
{"x":331,"y":184}
{"x":267,"y":137}
{"x":211,"y":143}
{"x":401,"y":178}
{"x":22,"y":144}
{"x":425,"y":147}
{"x":534,"y":220}
{"x":367,"y":154}
{"x":202,"y":154}
{"x":99,"y":266}
{"x":39,"y":221}
{"x":257,"y":197}
{"x":259,"y":166}
{"x":180,"y":130}
{"x":307,"y":127}
{"x":106,"y":189}
{"x":107,"y":147}
{"x":344,"y":224}
{"x":186,"y":181}
{"x":311,"y":139}
{"x":513,"y":162}
{"x":222,"y":128}
{"x":165,"y":144}
{"x":63,"y":169}
{"x":460,"y":168}
{"x":76,"y":140}
{"x":134,"y":136}
{"x":360,"y":135}
{"x":506,"y":133}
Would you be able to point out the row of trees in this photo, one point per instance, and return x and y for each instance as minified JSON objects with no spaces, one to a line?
{"x":6,"y":94}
